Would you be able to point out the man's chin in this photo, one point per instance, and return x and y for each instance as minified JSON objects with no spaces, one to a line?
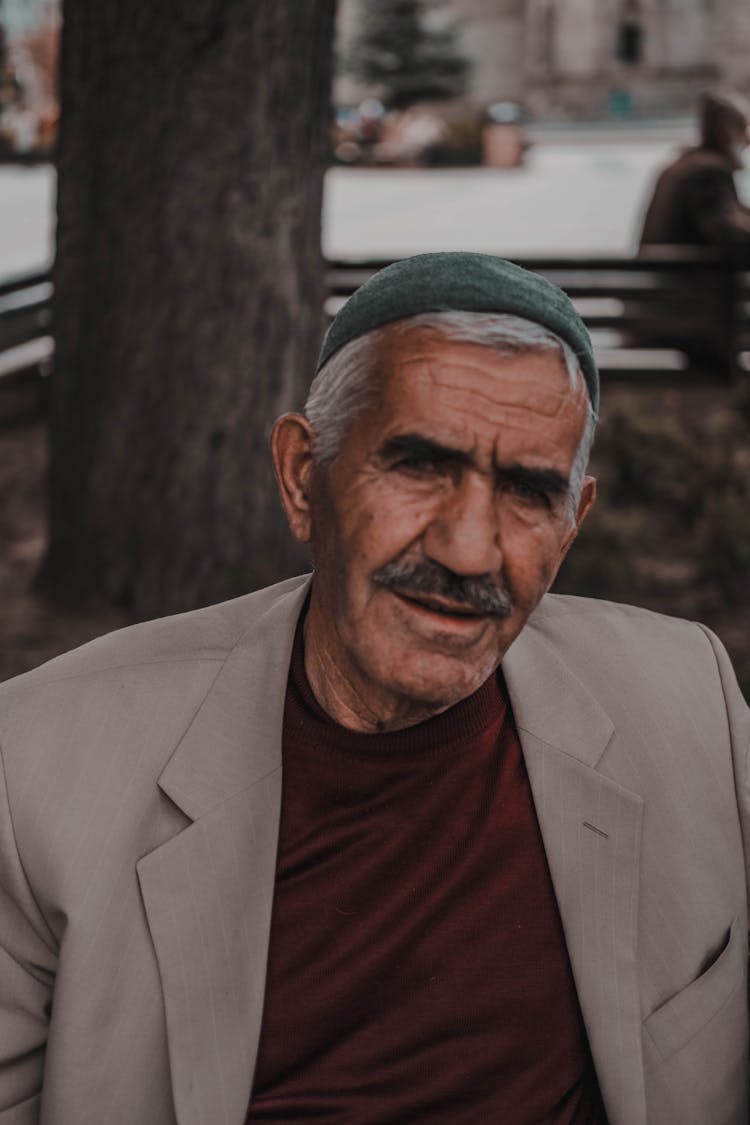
{"x":434,"y":680}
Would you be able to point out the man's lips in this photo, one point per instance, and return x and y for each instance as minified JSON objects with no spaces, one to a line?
{"x":442,"y":606}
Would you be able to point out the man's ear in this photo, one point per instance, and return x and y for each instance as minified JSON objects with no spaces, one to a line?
{"x":293,"y":462}
{"x":585,"y":504}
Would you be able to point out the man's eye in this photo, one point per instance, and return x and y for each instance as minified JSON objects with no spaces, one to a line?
{"x":525,"y":491}
{"x":417,"y":466}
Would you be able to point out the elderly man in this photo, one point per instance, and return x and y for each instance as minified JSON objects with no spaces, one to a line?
{"x":411,"y":841}
{"x":695,"y":201}
{"x":695,"y":204}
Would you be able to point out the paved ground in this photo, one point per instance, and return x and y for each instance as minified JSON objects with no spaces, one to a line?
{"x":26,"y":218}
{"x":567,"y":199}
{"x":574,"y":195}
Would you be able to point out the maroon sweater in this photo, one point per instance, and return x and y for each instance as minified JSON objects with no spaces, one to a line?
{"x":417,"y":969}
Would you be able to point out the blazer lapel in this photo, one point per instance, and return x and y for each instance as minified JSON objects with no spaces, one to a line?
{"x":591,"y":829}
{"x":208,"y":891}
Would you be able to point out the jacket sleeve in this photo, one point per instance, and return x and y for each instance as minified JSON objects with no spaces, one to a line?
{"x":27,"y":973}
{"x":738,"y":715}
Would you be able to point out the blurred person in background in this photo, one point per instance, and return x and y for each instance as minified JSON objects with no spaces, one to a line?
{"x":695,"y":201}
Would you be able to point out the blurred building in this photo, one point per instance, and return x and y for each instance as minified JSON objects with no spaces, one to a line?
{"x":640,"y":58}
{"x":579,"y":59}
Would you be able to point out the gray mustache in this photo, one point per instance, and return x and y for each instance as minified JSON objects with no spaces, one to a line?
{"x":478,"y":594}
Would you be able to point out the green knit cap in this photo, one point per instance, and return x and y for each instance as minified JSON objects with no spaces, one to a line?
{"x":461,"y":280}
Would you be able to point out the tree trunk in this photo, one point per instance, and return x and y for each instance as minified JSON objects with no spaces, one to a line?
{"x":188,"y":292}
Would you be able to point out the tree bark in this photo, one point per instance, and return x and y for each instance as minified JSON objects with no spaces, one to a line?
{"x":188,"y":292}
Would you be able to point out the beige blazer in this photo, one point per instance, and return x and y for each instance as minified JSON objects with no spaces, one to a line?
{"x":138,"y":824}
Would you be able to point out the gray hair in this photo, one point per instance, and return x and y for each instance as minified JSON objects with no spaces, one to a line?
{"x":345,"y":387}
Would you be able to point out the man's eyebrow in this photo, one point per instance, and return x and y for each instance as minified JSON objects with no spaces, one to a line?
{"x":421,"y":447}
{"x":549,"y":481}
{"x":416,"y":445}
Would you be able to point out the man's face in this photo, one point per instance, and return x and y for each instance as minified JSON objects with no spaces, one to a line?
{"x":441,"y":522}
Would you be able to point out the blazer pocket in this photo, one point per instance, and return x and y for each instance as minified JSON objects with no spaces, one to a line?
{"x":675,"y":1022}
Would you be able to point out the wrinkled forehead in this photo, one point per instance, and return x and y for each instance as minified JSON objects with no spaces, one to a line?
{"x":420,"y":369}
{"x":411,"y":349}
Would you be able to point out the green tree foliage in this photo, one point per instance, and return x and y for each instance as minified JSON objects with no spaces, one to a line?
{"x":406,"y":59}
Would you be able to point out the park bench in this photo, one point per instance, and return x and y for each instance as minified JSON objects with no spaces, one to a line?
{"x":672,"y":316}
{"x":26,"y":346}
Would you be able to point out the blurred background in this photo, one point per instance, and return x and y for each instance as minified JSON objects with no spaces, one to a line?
{"x":187,"y":195}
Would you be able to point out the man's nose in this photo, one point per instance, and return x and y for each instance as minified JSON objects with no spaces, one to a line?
{"x":464,"y":533}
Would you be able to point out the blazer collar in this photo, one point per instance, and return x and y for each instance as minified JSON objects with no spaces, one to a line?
{"x":550,"y":702}
{"x":246,"y":703}
{"x":235,"y":737}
